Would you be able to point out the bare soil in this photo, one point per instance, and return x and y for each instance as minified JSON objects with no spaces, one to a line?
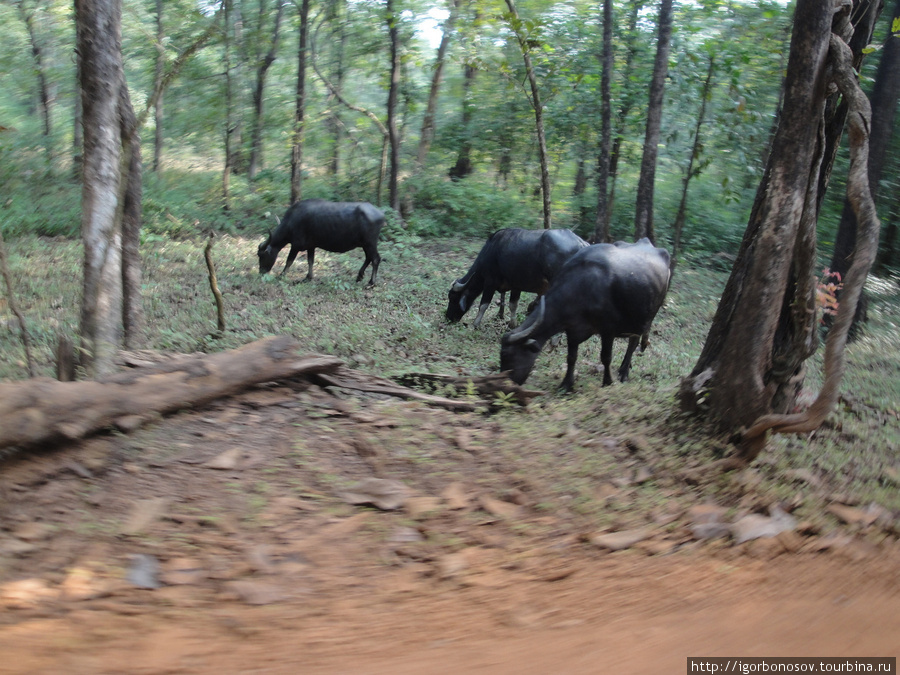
{"x":264,"y":567}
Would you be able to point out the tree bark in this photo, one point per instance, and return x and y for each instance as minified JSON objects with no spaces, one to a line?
{"x":229,"y":105}
{"x":44,"y":410}
{"x":157,"y":85}
{"x":427,"y":133}
{"x":300,"y":106}
{"x":335,"y":125}
{"x":102,"y":77}
{"x":538,"y":111}
{"x":643,"y":219}
{"x":601,"y":224}
{"x":262,"y":69}
{"x":463,"y":166}
{"x":752,"y":363}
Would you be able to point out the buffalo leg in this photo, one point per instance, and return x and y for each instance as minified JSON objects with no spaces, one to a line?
{"x":626,"y":362}
{"x":310,"y":259}
{"x":482,"y":308}
{"x":371,"y":257}
{"x":569,"y":380}
{"x":513,"y":307}
{"x":502,"y":302}
{"x":606,"y":344}
{"x":290,"y":259}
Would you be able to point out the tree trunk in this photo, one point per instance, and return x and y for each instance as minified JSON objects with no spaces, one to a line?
{"x":628,"y":100}
{"x":427,"y":133}
{"x":300,"y":106}
{"x":678,"y":226}
{"x":333,"y":121}
{"x":256,"y":150}
{"x":643,"y":220}
{"x":463,"y":166}
{"x":538,"y":111}
{"x":229,"y":105}
{"x":44,"y":410}
{"x":885,"y":93}
{"x":393,"y":93}
{"x":752,"y":363}
{"x":157,"y":85}
{"x":601,"y":224}
{"x":132,"y":220}
{"x":44,"y":97}
{"x":102,"y":76}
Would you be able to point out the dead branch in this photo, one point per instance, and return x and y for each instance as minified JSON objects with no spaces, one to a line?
{"x":488,"y":386}
{"x":860,"y":197}
{"x":14,"y":307}
{"x":214,"y":284}
{"x":44,"y":410}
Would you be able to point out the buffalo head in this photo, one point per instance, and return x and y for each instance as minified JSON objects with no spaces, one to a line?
{"x":518,"y":350}
{"x":457,"y":301}
{"x":267,"y":255}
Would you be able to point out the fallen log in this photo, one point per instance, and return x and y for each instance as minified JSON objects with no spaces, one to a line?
{"x":44,"y":410}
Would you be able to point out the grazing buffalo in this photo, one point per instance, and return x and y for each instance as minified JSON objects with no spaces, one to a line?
{"x":610,"y":290}
{"x":333,"y":226}
{"x":514,"y":260}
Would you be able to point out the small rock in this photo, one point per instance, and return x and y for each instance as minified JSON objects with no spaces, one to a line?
{"x":498,"y":507}
{"x":419,"y":506}
{"x":33,"y":531}
{"x":755,"y":525}
{"x":256,"y":592}
{"x":708,"y":521}
{"x":385,"y":494}
{"x":16,"y":547}
{"x":143,"y":571}
{"x":143,"y":514}
{"x":852,"y":515}
{"x":456,"y":497}
{"x":26,"y":593}
{"x":405,"y":535}
{"x":617,"y":541}
{"x":225,"y":461}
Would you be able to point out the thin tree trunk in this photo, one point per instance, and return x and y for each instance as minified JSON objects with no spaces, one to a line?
{"x":77,"y":120}
{"x":678,"y":226}
{"x":229,"y":105}
{"x":132,"y":220}
{"x":37,"y":53}
{"x":300,"y":106}
{"x":643,"y":219}
{"x":463,"y":166}
{"x":393,"y":92}
{"x":601,"y":224}
{"x":334,"y":122}
{"x":538,"y":112}
{"x":157,"y":85}
{"x":256,"y":149}
{"x":427,"y":134}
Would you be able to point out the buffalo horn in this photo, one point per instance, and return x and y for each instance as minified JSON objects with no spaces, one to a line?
{"x":522,"y":333}
{"x":458,"y":286}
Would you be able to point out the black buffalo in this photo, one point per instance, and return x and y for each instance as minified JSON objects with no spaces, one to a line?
{"x":333,"y":226}
{"x":514,"y":260}
{"x":610,"y":290}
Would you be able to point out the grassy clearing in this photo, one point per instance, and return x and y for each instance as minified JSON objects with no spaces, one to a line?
{"x":567,"y":448}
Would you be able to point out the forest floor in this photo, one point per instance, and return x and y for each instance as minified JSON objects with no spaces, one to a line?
{"x":569,"y":536}
{"x":218,"y":547}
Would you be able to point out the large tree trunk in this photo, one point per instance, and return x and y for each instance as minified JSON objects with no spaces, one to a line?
{"x":132,"y":221}
{"x":427,"y":133}
{"x":300,"y":106}
{"x":643,"y":219}
{"x":601,"y":224}
{"x":102,"y":77}
{"x":885,"y":93}
{"x":538,"y":111}
{"x":393,"y":92}
{"x":256,"y":150}
{"x":689,"y":173}
{"x":45,"y":410}
{"x":752,"y":363}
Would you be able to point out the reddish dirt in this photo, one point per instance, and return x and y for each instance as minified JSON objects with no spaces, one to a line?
{"x":263,"y":570}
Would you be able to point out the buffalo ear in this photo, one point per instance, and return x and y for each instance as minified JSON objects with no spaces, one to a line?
{"x":532,"y":345}
{"x":464,"y":303}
